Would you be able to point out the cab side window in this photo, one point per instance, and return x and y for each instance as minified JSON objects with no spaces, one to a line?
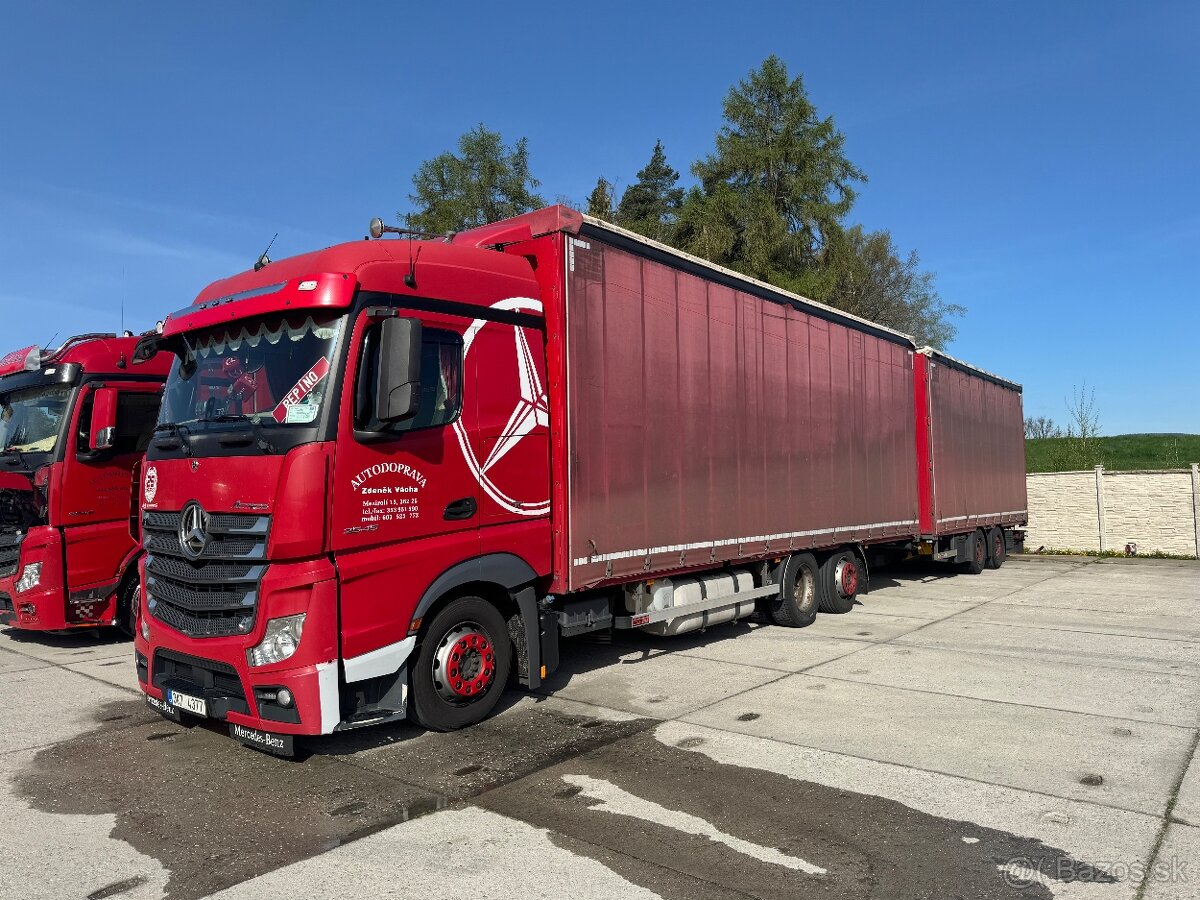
{"x":136,"y":416}
{"x":441,"y":382}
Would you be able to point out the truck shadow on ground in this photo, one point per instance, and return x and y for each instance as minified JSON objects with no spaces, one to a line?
{"x":585,"y":654}
{"x":84,"y":638}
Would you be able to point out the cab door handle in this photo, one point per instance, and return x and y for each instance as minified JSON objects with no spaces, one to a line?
{"x":460,"y":509}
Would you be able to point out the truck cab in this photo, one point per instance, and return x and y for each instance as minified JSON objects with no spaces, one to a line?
{"x":349,"y":440}
{"x":74,"y":424}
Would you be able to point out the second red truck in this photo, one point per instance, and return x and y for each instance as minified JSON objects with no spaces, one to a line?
{"x":391,"y":472}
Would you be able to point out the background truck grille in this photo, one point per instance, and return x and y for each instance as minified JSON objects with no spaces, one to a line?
{"x":10,"y":553}
{"x":215,"y":595}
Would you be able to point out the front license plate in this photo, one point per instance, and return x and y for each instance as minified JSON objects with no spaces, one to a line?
{"x":195,"y":705}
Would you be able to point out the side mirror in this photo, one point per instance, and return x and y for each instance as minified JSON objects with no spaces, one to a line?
{"x":103,"y":433}
{"x":398,"y":375}
{"x":146,"y":348}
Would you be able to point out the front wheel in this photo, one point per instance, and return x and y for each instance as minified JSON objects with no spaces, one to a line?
{"x":462,"y":666}
{"x":839,"y":582}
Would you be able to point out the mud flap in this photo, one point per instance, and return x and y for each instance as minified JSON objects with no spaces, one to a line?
{"x":535,"y":639}
{"x":866,"y":579}
{"x":265,"y":741}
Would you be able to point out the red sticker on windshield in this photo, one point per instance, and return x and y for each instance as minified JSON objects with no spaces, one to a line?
{"x":303,"y":388}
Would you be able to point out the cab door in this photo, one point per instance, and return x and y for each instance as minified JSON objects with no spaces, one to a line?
{"x":95,"y":503}
{"x":405,"y":504}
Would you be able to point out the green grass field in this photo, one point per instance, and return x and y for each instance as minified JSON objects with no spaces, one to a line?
{"x":1124,"y":452}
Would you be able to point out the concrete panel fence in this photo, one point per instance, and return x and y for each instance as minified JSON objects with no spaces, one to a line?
{"x":1100,"y":510}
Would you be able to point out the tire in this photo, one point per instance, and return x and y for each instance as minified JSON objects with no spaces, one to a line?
{"x":977,"y":544}
{"x":799,"y":596}
{"x":838,"y":582}
{"x":129,"y":596}
{"x":467,"y":639}
{"x":997,"y":551}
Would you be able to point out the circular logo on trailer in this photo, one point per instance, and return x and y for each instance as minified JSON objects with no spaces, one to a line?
{"x":193,"y":529}
{"x":150,"y":488}
{"x":502,"y":465}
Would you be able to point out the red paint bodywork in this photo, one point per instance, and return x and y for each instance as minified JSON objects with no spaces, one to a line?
{"x":970,"y":446}
{"x":688,"y":418}
{"x":89,"y":539}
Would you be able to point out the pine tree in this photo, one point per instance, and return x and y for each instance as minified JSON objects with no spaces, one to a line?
{"x":600,"y":200}
{"x":777,"y":185}
{"x":650,"y":205}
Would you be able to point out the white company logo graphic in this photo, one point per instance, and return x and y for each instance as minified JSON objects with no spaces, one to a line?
{"x":531,"y":410}
{"x":150,"y":491}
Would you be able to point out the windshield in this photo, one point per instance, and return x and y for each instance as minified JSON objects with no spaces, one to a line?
{"x":275,"y":371}
{"x":31,"y":420}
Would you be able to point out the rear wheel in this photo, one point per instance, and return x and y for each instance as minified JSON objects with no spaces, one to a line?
{"x":838,"y":582}
{"x":129,"y":595}
{"x":997,"y":551}
{"x":462,"y":666}
{"x":796,"y":603}
{"x":977,"y":548}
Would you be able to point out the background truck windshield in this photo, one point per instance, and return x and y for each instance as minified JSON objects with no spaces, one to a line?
{"x":275,"y":371}
{"x":30,"y":420}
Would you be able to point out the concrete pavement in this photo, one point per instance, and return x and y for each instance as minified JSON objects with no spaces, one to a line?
{"x":1028,"y":732}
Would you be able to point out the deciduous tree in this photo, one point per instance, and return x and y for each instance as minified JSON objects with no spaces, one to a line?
{"x":484,"y":182}
{"x":866,"y":274}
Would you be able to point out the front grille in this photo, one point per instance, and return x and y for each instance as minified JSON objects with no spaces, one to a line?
{"x":216,"y":593}
{"x":10,"y":553}
{"x":6,"y":604}
{"x":215,"y":681}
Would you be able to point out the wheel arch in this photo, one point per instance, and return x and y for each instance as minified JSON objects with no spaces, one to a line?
{"x":505,"y":580}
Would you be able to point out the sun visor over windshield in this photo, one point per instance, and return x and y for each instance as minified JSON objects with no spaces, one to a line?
{"x":323,"y":291}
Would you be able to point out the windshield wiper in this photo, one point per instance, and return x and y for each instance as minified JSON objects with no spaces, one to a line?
{"x":256,"y":425}
{"x":177,"y":431}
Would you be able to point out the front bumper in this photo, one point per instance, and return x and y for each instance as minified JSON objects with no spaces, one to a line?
{"x":215,"y":669}
{"x":44,"y":607}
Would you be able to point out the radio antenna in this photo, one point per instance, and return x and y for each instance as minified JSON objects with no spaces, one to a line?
{"x":263,"y":260}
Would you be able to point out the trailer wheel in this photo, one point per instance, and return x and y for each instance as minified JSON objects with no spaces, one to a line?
{"x":978,"y":546}
{"x":838,"y":582}
{"x":462,"y":666}
{"x":796,"y":603}
{"x":129,"y":595}
{"x":997,"y":551}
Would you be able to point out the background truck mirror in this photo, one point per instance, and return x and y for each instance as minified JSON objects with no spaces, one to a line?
{"x":146,"y":348}
{"x":103,"y":432}
{"x":397,"y":378}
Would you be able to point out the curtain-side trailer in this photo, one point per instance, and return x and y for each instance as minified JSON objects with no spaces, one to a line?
{"x":391,"y":472}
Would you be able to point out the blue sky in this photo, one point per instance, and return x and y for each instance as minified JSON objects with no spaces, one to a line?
{"x":1041,"y":157}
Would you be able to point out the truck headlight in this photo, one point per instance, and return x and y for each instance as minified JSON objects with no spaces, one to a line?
{"x":280,"y":641}
{"x":31,"y":577}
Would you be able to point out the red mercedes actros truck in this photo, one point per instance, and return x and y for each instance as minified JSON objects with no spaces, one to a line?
{"x":74,"y":424}
{"x":391,"y":474}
